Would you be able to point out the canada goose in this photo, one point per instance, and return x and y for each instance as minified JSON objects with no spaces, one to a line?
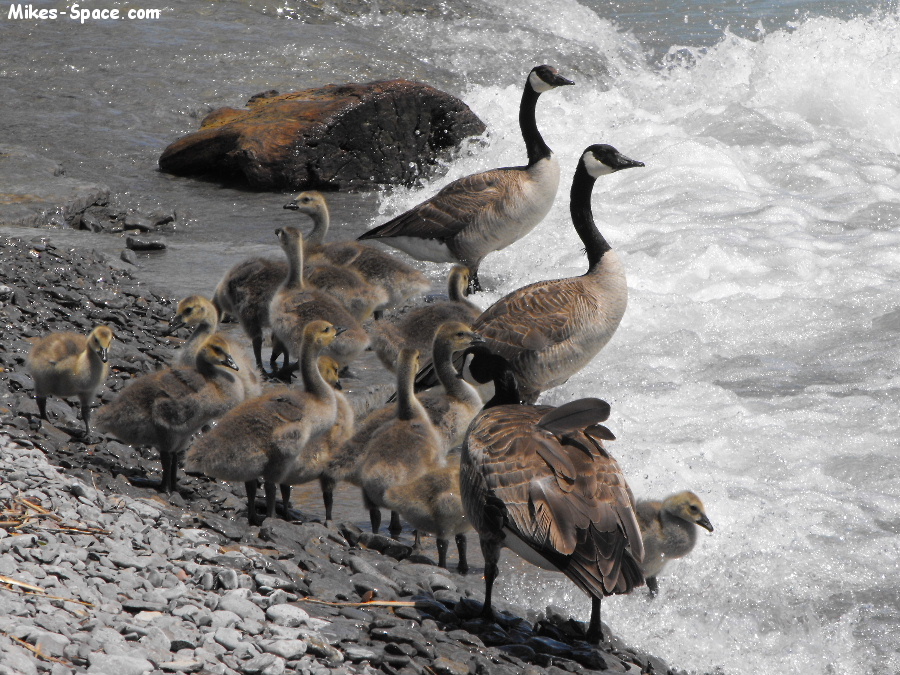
{"x":312,"y":464}
{"x":488,"y":211}
{"x":199,"y":313}
{"x":668,"y":529}
{"x":549,"y":330}
{"x":399,"y":280}
{"x":449,"y":410}
{"x":267,"y":435}
{"x":432,"y":503}
{"x":164,"y":409}
{"x":70,"y":364}
{"x":294,"y":305}
{"x":538,"y":480}
{"x":401,"y":449}
{"x":417,"y":328}
{"x":245,"y":293}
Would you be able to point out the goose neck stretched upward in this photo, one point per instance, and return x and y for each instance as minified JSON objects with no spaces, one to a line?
{"x":534,"y":143}
{"x":294,"y":253}
{"x":583,"y":217}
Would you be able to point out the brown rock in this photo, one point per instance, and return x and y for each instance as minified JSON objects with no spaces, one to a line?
{"x":336,"y":137}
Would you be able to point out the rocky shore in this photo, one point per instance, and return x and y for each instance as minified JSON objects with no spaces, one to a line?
{"x":100,"y":576}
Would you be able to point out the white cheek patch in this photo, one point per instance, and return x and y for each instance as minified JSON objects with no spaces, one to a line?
{"x":595,"y":167}
{"x":538,"y":84}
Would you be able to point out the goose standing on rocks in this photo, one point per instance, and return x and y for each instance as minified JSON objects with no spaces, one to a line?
{"x":398,"y":280}
{"x":669,"y":531}
{"x":417,"y":328}
{"x":549,"y":330}
{"x":400,"y":450}
{"x":432,"y":503}
{"x":70,"y":364}
{"x":538,"y":480}
{"x":245,"y":293}
{"x":164,"y":409}
{"x":295,"y":304}
{"x":199,"y":313}
{"x":488,"y":211}
{"x":267,"y":436}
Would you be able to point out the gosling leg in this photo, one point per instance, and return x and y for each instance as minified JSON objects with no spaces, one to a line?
{"x":652,"y":586}
{"x":442,"y":545}
{"x":461,"y":544}
{"x":271,"y":497}
{"x":396,"y":527}
{"x":42,"y":406}
{"x":327,"y":485}
{"x":250,"y":486}
{"x":286,"y":500}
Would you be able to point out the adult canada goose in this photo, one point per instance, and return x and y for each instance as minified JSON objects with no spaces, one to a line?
{"x":265,"y":437}
{"x":295,"y":304}
{"x":538,"y":480}
{"x":70,"y":364}
{"x":549,"y":330}
{"x":432,"y":503}
{"x":312,"y":464}
{"x":245,"y":293}
{"x":164,"y":409}
{"x":488,"y":211}
{"x":199,"y":313}
{"x":417,"y":328}
{"x":395,"y":277}
{"x":400,"y":450}
{"x":669,"y":531}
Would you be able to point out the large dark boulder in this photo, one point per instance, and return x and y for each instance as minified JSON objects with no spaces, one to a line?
{"x":336,"y":137}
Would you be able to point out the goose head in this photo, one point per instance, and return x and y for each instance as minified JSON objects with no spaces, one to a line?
{"x":100,"y":340}
{"x":458,"y":281}
{"x":319,"y":334}
{"x":687,"y":506}
{"x":458,"y":336}
{"x":544,"y":78}
{"x":289,"y":237}
{"x":329,"y":370}
{"x":215,"y":352}
{"x":192,"y":311}
{"x":309,"y":202}
{"x":601,"y":160}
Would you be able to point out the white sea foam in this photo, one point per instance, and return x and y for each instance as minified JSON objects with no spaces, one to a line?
{"x":757,"y":362}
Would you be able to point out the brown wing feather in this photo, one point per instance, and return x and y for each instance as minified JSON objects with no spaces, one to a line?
{"x":562,"y":492}
{"x":449,"y":211}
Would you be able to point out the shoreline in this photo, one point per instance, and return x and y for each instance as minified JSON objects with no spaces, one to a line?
{"x":199,"y":538}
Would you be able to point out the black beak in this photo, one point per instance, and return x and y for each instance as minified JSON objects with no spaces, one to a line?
{"x":704,"y":523}
{"x":560,"y":81}
{"x":292,"y":205}
{"x":176,"y":323}
{"x":339,"y":329}
{"x":623,"y":162}
{"x":477,"y":339}
{"x":229,"y":362}
{"x":104,"y":354}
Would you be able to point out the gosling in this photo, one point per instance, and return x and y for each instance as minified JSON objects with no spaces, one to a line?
{"x":417,"y":328}
{"x":198,"y":313}
{"x":400,"y":450}
{"x":432,"y":503}
{"x":268,"y":435}
{"x":164,"y":409}
{"x":70,"y":364}
{"x":668,"y":529}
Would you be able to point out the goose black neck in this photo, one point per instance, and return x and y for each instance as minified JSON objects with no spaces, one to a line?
{"x":583,"y":217}
{"x":534,"y":142}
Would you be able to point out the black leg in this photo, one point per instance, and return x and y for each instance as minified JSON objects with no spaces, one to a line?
{"x":250,"y":486}
{"x":595,"y":630}
{"x":378,"y":314}
{"x":327,"y":495}
{"x":652,"y":586}
{"x":286,"y":500}
{"x":271,"y":497}
{"x":257,"y":353}
{"x":173,"y":472}
{"x":463,"y":565}
{"x":86,"y":414}
{"x":442,"y":545}
{"x":474,"y":283}
{"x":42,"y":406}
{"x":395,"y":527}
{"x":375,"y":519}
{"x":417,"y":540}
{"x":491,"y":552}
{"x":165,"y":458}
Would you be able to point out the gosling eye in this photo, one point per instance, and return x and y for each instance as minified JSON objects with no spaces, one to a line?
{"x":460,"y":334}
{"x":694,"y":509}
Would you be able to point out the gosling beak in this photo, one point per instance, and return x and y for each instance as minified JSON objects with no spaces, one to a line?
{"x":104,"y":354}
{"x":339,"y":386}
{"x":339,"y":329}
{"x":229,"y":363}
{"x":477,"y":339}
{"x":704,"y":523}
{"x":623,"y":162}
{"x":292,"y":205}
{"x":174,"y":325}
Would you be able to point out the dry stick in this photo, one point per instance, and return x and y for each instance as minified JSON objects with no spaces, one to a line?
{"x":31,"y":589}
{"x":38,"y":652}
{"x":370,"y":603}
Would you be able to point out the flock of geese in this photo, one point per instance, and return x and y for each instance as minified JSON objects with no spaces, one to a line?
{"x":534,"y":478}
